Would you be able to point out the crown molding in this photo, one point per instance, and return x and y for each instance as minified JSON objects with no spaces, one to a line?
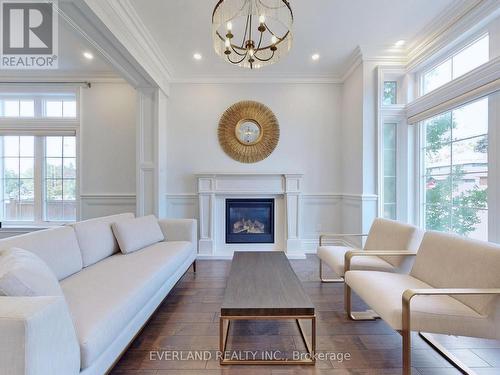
{"x":260,"y":80}
{"x":352,"y":63}
{"x":453,"y":24}
{"x":121,"y":19}
{"x":62,"y":77}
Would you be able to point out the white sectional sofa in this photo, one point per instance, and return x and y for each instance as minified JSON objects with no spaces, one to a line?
{"x":108,"y":296}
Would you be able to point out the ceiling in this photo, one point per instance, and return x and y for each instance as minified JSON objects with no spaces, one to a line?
{"x":331,"y":28}
{"x":71,"y":60}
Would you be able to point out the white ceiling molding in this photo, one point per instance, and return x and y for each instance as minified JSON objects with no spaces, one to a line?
{"x":259,"y":80}
{"x":478,"y":83}
{"x":62,"y":77}
{"x":457,"y":22}
{"x":122,"y":21}
{"x":353,"y":62}
{"x":85,"y":22}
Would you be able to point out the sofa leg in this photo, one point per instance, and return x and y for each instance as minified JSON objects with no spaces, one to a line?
{"x":324,"y":280}
{"x":356,"y":315}
{"x":406,"y":335}
{"x":429,"y":339}
{"x":194,"y":266}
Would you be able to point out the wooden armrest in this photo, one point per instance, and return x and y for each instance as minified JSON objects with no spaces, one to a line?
{"x":326,"y":235}
{"x":351,"y":254}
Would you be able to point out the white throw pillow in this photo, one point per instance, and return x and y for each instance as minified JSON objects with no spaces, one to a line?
{"x":24,"y":274}
{"x":135,"y":234}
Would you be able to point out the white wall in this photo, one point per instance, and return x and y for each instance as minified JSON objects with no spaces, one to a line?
{"x":107,"y":149}
{"x":310,"y":143}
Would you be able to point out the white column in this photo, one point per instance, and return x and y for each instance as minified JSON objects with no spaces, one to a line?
{"x":292,"y":214}
{"x":206,"y":204}
{"x":151,"y":152}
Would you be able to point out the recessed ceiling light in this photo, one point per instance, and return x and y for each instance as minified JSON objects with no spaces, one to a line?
{"x":315,"y":57}
{"x":400,"y":43}
{"x":197,"y":56}
{"x":88,"y":55}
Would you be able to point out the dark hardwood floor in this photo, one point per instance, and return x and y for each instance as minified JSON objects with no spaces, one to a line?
{"x":188,"y":320}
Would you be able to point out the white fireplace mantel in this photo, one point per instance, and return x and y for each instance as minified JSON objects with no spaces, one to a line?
{"x":213,"y":188}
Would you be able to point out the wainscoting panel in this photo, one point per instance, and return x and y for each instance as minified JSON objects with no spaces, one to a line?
{"x":96,"y":205}
{"x":321,"y":213}
{"x":182,"y":206}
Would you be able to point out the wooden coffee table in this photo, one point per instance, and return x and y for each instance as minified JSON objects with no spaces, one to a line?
{"x":263,"y":286}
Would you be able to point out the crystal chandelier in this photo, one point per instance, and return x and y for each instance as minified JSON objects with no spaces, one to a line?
{"x":252,"y":33}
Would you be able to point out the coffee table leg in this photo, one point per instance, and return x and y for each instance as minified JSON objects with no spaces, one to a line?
{"x":223,"y":333}
{"x":224,"y":323}
{"x":311,"y":348}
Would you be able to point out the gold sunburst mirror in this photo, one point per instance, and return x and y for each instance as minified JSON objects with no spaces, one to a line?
{"x":248,"y":131}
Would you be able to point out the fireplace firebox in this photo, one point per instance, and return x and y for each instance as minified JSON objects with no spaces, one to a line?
{"x":249,"y":220}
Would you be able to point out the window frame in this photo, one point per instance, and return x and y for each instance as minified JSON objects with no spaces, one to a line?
{"x":449,"y":56}
{"x":39,"y":127}
{"x":434,"y":63}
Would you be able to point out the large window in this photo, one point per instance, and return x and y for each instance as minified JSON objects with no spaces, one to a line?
{"x":470,"y":57}
{"x":455,"y":171}
{"x":38,"y":158}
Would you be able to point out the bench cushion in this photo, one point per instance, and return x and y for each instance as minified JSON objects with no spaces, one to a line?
{"x":450,"y":261}
{"x":393,"y":235}
{"x":96,"y":238}
{"x":57,"y":247}
{"x":334,"y":257}
{"x":105,"y":297}
{"x":383,"y":293}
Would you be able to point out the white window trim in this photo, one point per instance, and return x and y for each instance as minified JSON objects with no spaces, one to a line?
{"x":43,"y":126}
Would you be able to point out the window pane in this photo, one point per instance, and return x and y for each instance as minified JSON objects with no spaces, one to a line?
{"x":389,"y":189}
{"x":390,"y":211}
{"x":471,"y":57}
{"x":54,"y":190}
{"x":438,"y":217}
{"x":471,"y":120}
{"x":389,"y":171}
{"x":11,"y":146}
{"x":54,"y":211}
{"x":26,"y":146}
{"x":69,"y":108}
{"x":390,"y":93}
{"x":69,"y":147}
{"x":27,"y":167}
{"x":470,"y":189}
{"x":60,"y":175}
{"x":471,"y":154}
{"x":437,"y":76}
{"x":26,"y":189}
{"x":53,"y":168}
{"x":53,"y":108}
{"x":11,"y":108}
{"x":11,"y":167}
{"x":69,"y":170}
{"x":27,"y":108}
{"x":53,"y":146}
{"x":438,"y":190}
{"x":69,"y":189}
